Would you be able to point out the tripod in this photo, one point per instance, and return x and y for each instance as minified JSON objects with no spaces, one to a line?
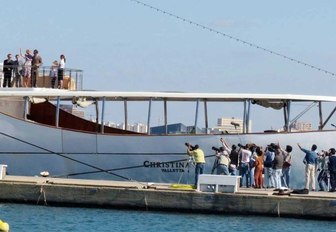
{"x":190,"y":161}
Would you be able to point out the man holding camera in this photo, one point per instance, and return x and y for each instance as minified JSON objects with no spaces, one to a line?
{"x":223,"y":161}
{"x":199,"y":158}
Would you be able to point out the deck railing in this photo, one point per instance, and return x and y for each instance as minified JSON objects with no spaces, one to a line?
{"x":72,"y":78}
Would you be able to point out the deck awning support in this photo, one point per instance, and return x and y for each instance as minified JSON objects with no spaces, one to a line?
{"x":25,"y":107}
{"x":125,"y":114}
{"x":328,"y":118}
{"x":57,"y":111}
{"x":103,"y":115}
{"x":165,"y":116}
{"x":149,"y":115}
{"x":97,"y":115}
{"x":246,"y":117}
{"x":291,"y":123}
{"x":206,"y":117}
{"x":320,"y":116}
{"x":196,"y":116}
{"x":286,"y":110}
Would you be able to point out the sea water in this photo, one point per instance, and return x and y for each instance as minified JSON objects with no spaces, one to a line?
{"x":45,"y":218}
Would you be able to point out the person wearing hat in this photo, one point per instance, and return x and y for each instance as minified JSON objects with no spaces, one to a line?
{"x":4,"y":227}
{"x":199,"y":158}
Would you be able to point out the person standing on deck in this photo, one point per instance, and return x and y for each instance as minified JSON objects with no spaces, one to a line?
{"x":17,"y":79}
{"x":8,"y":70}
{"x":36,"y":64}
{"x":310,"y":160}
{"x":53,"y":73}
{"x":1,"y":75}
{"x":60,"y":74}
{"x":199,"y":158}
{"x":28,"y":57}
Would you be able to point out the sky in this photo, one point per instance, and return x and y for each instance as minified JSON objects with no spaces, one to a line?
{"x":123,"y":46}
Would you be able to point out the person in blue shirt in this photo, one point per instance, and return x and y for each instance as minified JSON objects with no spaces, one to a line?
{"x":310,"y":160}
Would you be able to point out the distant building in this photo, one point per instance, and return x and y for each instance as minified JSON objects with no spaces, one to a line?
{"x":177,"y":128}
{"x":73,"y":110}
{"x":229,"y":125}
{"x":139,"y":127}
{"x":136,"y":127}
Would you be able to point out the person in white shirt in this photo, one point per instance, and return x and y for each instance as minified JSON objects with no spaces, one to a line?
{"x":1,"y":74}
{"x":61,"y":67}
{"x":244,"y":168}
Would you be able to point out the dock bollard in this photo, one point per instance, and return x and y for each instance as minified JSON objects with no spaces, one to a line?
{"x":4,"y":226}
{"x":3,"y":168}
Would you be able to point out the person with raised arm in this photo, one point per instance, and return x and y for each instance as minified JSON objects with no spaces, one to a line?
{"x":310,"y":160}
{"x":28,"y":57}
{"x":233,"y":156}
{"x":286,"y":168}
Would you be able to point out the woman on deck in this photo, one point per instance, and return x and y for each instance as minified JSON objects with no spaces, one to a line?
{"x":28,"y":57}
{"x":61,"y":66}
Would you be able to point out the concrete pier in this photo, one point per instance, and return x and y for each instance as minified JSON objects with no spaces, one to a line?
{"x":152,"y":196}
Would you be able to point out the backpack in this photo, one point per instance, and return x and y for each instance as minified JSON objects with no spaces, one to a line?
{"x":268,"y":161}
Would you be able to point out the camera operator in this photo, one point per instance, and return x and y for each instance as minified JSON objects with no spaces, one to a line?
{"x":244,"y":168}
{"x":199,"y":158}
{"x":322,"y":178}
{"x":223,"y":161}
{"x":332,"y":169}
{"x":268,"y":161}
{"x":286,"y":167}
{"x":233,"y":157}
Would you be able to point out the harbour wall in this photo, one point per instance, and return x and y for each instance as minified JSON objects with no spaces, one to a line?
{"x":131,"y":195}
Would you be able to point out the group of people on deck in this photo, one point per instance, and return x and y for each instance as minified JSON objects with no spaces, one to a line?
{"x":24,"y":70}
{"x":269,"y":167}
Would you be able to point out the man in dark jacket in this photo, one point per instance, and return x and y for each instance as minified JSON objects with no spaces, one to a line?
{"x":332,"y":169}
{"x":7,"y":70}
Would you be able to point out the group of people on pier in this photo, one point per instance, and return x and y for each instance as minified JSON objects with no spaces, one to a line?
{"x":24,"y":70}
{"x":268,"y":167}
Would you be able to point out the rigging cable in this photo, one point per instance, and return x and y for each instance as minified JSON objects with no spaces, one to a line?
{"x":67,"y":157}
{"x":233,"y":37}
